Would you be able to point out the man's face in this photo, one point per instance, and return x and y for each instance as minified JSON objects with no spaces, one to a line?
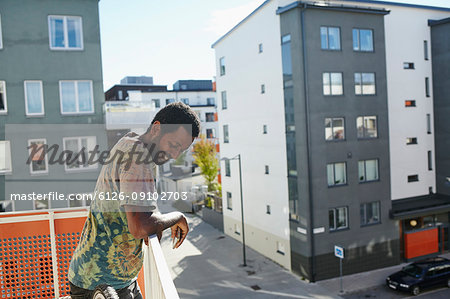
{"x":171,"y":145}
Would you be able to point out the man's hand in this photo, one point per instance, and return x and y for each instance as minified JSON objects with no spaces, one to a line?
{"x":157,"y":234}
{"x":183,"y":226}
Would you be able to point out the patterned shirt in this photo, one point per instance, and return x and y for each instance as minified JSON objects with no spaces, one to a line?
{"x":107,"y":252}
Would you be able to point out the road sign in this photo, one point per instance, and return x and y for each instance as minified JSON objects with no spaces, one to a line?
{"x":339,"y":252}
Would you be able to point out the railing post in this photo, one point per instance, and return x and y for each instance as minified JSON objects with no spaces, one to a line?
{"x":51,"y":220}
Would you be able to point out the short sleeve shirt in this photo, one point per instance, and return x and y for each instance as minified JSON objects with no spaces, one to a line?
{"x":107,"y":252}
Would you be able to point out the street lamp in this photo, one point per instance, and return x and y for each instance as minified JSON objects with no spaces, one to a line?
{"x":238,"y":157}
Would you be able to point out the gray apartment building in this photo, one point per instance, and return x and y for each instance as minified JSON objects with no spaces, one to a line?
{"x":337,"y":136}
{"x":51,"y":93}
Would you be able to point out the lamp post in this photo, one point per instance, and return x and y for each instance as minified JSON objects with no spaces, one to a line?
{"x":238,"y":157}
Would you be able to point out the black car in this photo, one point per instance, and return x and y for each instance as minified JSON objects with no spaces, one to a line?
{"x":420,"y":275}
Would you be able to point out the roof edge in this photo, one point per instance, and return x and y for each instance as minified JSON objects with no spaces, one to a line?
{"x":401,"y":4}
{"x":332,"y":6}
{"x":438,"y":22}
{"x":239,"y":24}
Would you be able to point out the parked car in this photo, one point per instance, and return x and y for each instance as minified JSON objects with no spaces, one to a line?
{"x":420,"y":275}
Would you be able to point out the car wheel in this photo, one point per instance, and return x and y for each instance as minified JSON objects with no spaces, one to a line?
{"x":415,"y":290}
{"x":104,"y":292}
{"x":448,"y":282}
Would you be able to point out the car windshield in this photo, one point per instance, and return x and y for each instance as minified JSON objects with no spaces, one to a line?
{"x":413,"y":270}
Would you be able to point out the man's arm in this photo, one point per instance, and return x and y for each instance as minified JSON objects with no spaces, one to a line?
{"x":142,"y":223}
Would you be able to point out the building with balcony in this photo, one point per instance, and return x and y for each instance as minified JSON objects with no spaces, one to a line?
{"x":51,"y":93}
{"x":338,"y":102}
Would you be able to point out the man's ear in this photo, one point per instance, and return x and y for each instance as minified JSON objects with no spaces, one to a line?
{"x":156,"y":129}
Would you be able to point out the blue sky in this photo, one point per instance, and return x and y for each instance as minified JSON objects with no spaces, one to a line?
{"x":171,"y":39}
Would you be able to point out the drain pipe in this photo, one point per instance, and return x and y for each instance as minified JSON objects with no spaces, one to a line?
{"x":312,"y":267}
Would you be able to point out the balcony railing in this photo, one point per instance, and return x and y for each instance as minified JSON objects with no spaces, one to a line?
{"x":36,"y":248}
{"x":128,"y":114}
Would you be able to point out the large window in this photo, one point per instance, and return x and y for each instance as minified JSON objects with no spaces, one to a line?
{"x":211,"y":101}
{"x":5,"y":156}
{"x":229,"y":201}
{"x":224,"y":100}
{"x":428,"y":123}
{"x":209,"y":116}
{"x":3,"y":103}
{"x":336,"y":174}
{"x":222,"y":66}
{"x":185,"y":101}
{"x":37,"y":156}
{"x":338,"y":218}
{"x":368,"y":170}
{"x":370,"y":213}
{"x":227,"y":168}
{"x":334,"y":129}
{"x":367,"y":126}
{"x":427,"y":87}
{"x":363,"y":40}
{"x":332,"y":84}
{"x":77,"y":155}
{"x":226,"y":137}
{"x":210,"y":133}
{"x":76,"y":97}
{"x":330,"y":38}
{"x":34,"y":98}
{"x":157,"y":103}
{"x":364,"y":83}
{"x":65,"y":33}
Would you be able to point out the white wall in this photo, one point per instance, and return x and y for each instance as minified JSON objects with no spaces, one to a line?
{"x":405,"y":30}
{"x":248,"y":110}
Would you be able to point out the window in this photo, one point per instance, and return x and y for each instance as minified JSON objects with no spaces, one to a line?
{"x":430,"y":161}
{"x":411,"y":140}
{"x":209,"y":116}
{"x":260,"y":48}
{"x":78,"y":148}
{"x":65,"y":33}
{"x":266,"y":169}
{"x":237,"y":229}
{"x":370,"y":213}
{"x":368,"y":170}
{"x":363,"y":40}
{"x":336,"y":173}
{"x":408,"y":65}
{"x":168,"y":101}
{"x":366,"y":126}
{"x":1,"y":38}
{"x":268,"y":209}
{"x":338,"y":218}
{"x":5,"y":157}
{"x":229,"y":201}
{"x":226,"y":138}
{"x":3,"y":103}
{"x":410,"y":103}
{"x":413,"y":178}
{"x":210,"y":133}
{"x":330,"y":38}
{"x":280,"y":248}
{"x":227,"y":168}
{"x":222,"y":66}
{"x":157,"y":103}
{"x":427,"y":87}
{"x":224,"y":100}
{"x":120,"y":94}
{"x":364,"y":83}
{"x":332,"y":84}
{"x":185,"y":101}
{"x":37,"y":156}
{"x":334,"y":129}
{"x":428,"y":123}
{"x":42,"y":203}
{"x":264,"y":129}
{"x":76,"y":97}
{"x":263,"y":88}
{"x":34,"y":98}
{"x":425,"y":50}
{"x":210,"y":101}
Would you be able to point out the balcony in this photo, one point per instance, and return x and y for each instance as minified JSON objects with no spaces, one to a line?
{"x":36,"y":248}
{"x":121,"y":115}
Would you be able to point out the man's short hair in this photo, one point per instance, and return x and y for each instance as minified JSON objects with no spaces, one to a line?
{"x":177,"y":114}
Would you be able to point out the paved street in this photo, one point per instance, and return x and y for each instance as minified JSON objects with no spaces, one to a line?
{"x":207,"y":265}
{"x":385,"y":293}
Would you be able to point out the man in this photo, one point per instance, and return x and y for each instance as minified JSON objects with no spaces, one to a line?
{"x":122,"y":213}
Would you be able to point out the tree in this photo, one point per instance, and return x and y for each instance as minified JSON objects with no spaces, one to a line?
{"x":205,"y":156}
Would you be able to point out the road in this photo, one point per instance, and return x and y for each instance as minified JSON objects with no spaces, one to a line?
{"x":384,"y":292}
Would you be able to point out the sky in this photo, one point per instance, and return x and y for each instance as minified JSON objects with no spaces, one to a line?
{"x":171,"y":40}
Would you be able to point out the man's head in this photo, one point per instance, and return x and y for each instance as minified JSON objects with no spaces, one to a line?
{"x":172,"y":131}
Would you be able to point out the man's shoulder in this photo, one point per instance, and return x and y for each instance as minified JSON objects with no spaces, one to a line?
{"x":129,"y":142}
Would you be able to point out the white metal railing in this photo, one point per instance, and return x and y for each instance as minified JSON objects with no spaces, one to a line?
{"x":128,"y":114}
{"x":158,"y":282}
